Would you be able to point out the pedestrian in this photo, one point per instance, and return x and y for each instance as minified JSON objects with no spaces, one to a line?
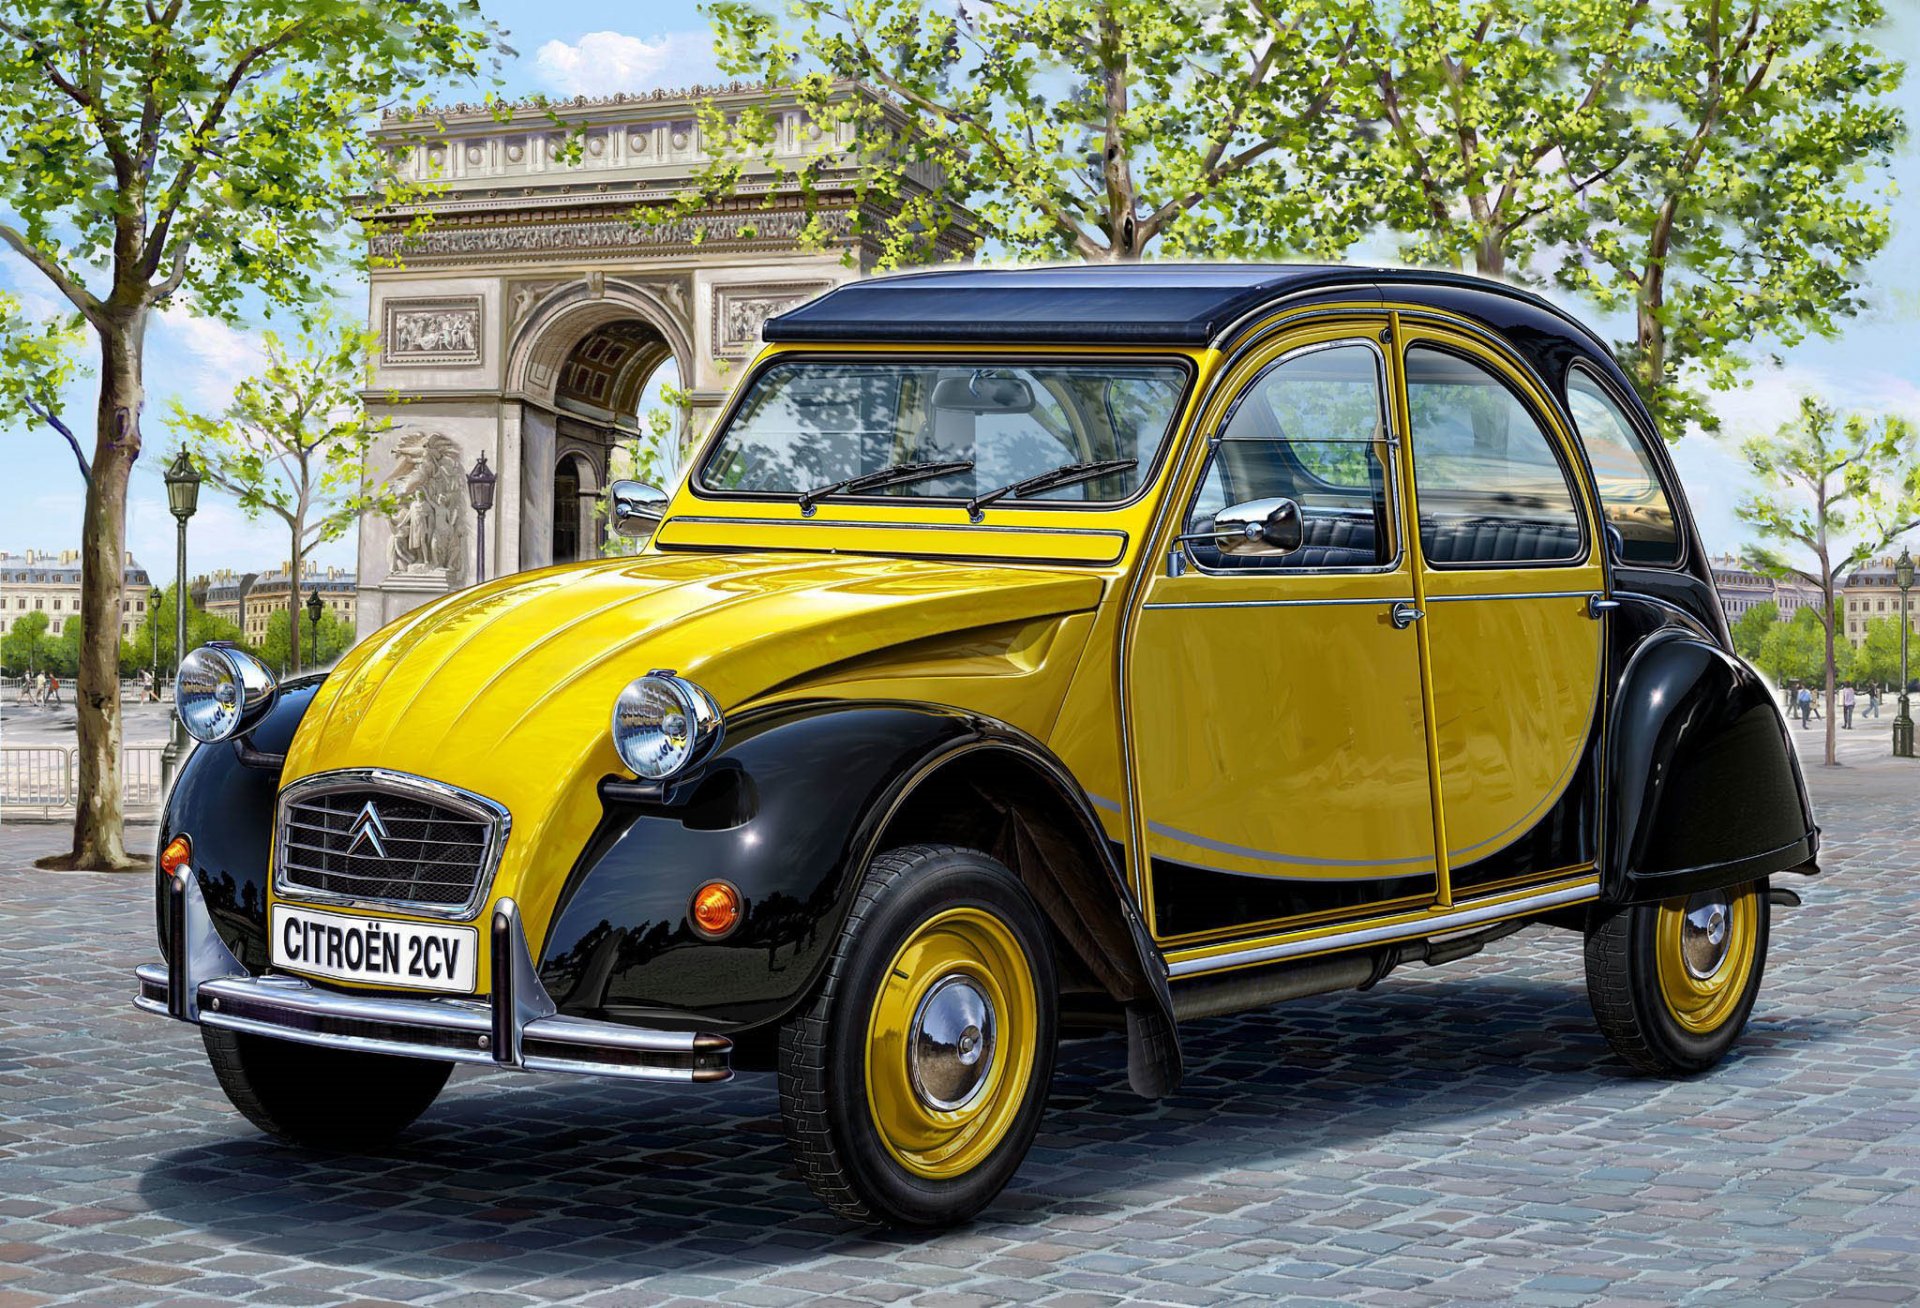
{"x":1847,"y":699}
{"x":40,"y":687}
{"x":1806,"y":707}
{"x":53,"y":690}
{"x":1873,"y":701}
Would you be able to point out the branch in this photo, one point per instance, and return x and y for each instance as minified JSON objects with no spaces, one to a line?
{"x":52,"y":420}
{"x":81,"y":297}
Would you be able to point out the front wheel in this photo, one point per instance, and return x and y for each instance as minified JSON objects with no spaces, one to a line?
{"x":325,"y":1098}
{"x":913,"y":1084}
{"x":1672,"y":983}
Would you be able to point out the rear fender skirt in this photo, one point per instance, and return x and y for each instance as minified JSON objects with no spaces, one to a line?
{"x":223,"y":801}
{"x":1703,"y":788}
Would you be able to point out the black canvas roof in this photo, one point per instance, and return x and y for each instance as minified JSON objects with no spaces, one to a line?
{"x":1145,"y":303}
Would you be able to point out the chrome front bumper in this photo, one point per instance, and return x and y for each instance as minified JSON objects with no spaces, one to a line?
{"x":516,"y":1026}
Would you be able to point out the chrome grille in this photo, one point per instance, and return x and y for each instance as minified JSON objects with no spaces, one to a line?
{"x":387,"y":838}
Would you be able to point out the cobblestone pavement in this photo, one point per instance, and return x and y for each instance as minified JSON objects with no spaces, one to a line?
{"x":1456,"y":1134}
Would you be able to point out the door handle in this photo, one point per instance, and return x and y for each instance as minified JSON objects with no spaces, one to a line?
{"x":1403,"y":615}
{"x":1599,"y":605}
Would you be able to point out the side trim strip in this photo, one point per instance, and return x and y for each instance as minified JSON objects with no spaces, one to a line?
{"x":1383,"y":602}
{"x":1430,"y":924}
{"x":1513,"y":595}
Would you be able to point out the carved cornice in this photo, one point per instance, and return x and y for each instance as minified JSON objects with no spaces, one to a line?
{"x":482,"y":242}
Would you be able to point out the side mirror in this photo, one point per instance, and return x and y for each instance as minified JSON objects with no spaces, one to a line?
{"x":637,"y":508}
{"x":1268,"y":526}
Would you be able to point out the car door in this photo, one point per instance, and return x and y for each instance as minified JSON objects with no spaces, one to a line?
{"x":1508,"y":564}
{"x":1276,"y":721}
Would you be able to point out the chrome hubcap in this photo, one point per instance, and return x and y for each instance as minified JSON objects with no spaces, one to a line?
{"x":950,"y":1046}
{"x":1704,"y":935}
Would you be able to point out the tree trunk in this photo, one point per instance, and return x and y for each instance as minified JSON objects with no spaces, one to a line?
{"x":1826,"y":596}
{"x":1490,"y":256}
{"x":293,"y":598}
{"x":98,"y":813}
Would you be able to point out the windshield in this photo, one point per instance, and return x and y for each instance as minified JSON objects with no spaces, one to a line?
{"x":805,"y":426}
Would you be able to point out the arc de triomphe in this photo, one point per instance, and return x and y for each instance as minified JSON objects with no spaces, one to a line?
{"x":526,"y":317}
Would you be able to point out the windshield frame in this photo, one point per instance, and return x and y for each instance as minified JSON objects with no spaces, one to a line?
{"x":697,"y":486}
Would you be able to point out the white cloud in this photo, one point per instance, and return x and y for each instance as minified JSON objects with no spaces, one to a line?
{"x":216,"y":355}
{"x":602,"y":63}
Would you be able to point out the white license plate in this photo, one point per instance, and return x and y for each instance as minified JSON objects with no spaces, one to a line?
{"x":353,"y":947}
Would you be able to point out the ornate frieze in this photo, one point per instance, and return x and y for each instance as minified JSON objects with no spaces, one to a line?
{"x":428,"y":541}
{"x":443,"y":330}
{"x":445,"y":240}
{"x":740,"y":311}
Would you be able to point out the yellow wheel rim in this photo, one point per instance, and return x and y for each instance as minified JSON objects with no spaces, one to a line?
{"x":1704,"y":948}
{"x":950,"y":1043}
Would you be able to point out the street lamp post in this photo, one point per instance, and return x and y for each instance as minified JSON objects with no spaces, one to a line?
{"x":480,"y":493}
{"x":183,"y":497}
{"x":154,"y":598}
{"x":313,"y":614}
{"x":1903,"y":724}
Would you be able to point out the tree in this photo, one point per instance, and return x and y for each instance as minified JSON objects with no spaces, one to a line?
{"x":1086,"y":130}
{"x":1838,"y":491}
{"x":1750,"y":630}
{"x":186,"y":148}
{"x":276,"y":646}
{"x":294,"y":443}
{"x":36,"y":362}
{"x":137,"y":651}
{"x":27,"y":648}
{"x":1740,"y":211}
{"x":1498,"y":117}
{"x":1877,"y":661}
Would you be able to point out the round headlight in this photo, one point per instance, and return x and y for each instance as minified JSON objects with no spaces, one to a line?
{"x":220,"y":689}
{"x":663,"y":725}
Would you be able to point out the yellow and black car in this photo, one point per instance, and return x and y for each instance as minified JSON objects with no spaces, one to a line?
{"x":1027,"y":653}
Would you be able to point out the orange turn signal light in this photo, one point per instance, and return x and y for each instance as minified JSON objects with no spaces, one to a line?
{"x":175,"y":855}
{"x":715,"y":910}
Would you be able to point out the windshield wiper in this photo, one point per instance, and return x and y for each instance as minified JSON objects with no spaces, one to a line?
{"x":897,"y":475}
{"x":1066,"y":475}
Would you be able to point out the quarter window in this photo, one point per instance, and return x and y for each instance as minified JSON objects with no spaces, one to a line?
{"x":1311,"y":430}
{"x":1635,"y":502}
{"x":1491,"y":488}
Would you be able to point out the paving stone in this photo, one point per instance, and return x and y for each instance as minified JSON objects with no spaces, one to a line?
{"x":1456,"y":1134}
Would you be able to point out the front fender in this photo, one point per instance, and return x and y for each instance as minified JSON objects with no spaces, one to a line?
{"x":223,"y":800}
{"x":1703,"y":789}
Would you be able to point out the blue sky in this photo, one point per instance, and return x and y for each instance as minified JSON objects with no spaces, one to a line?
{"x":569,"y":48}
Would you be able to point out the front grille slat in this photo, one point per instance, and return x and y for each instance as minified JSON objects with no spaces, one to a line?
{"x":435,"y":855}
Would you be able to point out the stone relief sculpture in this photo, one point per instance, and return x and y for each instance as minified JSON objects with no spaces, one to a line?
{"x":433,"y":331}
{"x":740,"y":311}
{"x":428,"y":537}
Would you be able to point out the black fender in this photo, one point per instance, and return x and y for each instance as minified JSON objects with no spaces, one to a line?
{"x":1703,"y":787}
{"x":223,"y":800}
{"x":791,"y":810}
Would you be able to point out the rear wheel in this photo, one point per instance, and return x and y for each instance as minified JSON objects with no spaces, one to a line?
{"x":324,"y":1098}
{"x":1672,"y":983}
{"x":913,"y":1085}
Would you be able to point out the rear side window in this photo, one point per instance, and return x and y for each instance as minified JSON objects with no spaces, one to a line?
{"x":1636,"y":504}
{"x":1492,"y":490}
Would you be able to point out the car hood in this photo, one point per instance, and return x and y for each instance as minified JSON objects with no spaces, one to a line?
{"x":507,"y":689}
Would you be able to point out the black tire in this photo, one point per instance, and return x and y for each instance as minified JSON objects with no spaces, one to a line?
{"x":338,"y":1099}
{"x":1644,"y":1025}
{"x":912,"y":895}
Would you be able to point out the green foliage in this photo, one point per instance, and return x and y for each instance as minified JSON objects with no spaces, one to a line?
{"x":1877,"y":661}
{"x":136,"y":651}
{"x":294,"y":441}
{"x":276,"y":648}
{"x":1068,"y":129}
{"x":1739,"y":204}
{"x":27,"y":646}
{"x":36,"y":362}
{"x":1750,"y":630}
{"x":1795,"y":650}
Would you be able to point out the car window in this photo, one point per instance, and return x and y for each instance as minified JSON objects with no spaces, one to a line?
{"x":807,"y":422}
{"x":1492,"y":489}
{"x":1636,"y":504}
{"x":1309,"y":429}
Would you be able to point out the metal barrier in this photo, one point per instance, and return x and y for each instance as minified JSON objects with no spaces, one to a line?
{"x":46,"y":778}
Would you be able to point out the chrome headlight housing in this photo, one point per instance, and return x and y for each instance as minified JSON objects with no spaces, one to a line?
{"x":220,"y":691}
{"x":663,"y":725}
